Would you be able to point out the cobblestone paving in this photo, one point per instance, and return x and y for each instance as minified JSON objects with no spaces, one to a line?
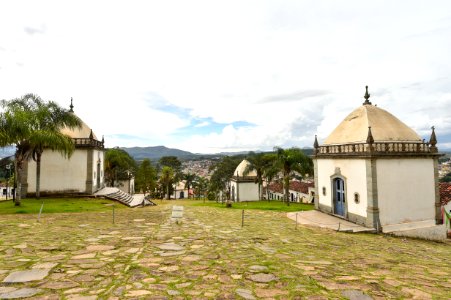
{"x":208,"y":255}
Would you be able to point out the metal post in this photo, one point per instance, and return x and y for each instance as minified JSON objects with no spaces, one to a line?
{"x":296,"y":221}
{"x":40,"y":211}
{"x":242,"y":218}
{"x":8,"y":167}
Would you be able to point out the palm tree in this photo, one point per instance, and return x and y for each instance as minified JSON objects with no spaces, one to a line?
{"x":257,"y":162}
{"x":189,"y":180}
{"x":289,"y":160}
{"x":166,"y":178}
{"x":33,"y":125}
{"x":270,"y":171}
{"x":201,"y":186}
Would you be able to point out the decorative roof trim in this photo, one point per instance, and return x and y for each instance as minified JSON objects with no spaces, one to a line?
{"x":366,"y":96}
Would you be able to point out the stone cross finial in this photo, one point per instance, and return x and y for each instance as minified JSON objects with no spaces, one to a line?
{"x":433,"y":141}
{"x":315,"y":145}
{"x":367,"y":96}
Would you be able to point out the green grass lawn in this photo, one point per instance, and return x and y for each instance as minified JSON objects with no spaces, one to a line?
{"x":262,"y":205}
{"x":58,"y":205}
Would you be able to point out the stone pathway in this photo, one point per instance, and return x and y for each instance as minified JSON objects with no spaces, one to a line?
{"x":209,"y":256}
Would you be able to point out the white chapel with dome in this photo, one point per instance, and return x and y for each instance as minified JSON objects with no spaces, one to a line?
{"x":375,"y":171}
{"x":243,"y":186}
{"x":81,"y":174}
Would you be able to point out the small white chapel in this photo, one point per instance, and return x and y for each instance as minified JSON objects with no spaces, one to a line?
{"x":243,"y":187}
{"x":376,"y":171}
{"x":81,"y":174}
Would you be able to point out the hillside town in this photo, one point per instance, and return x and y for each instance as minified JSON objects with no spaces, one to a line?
{"x":225,"y":150}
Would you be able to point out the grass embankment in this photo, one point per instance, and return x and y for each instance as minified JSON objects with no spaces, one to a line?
{"x":261,"y":205}
{"x":57,"y":205}
{"x":76,"y":205}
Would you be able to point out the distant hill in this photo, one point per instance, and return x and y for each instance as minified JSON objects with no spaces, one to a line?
{"x":156,"y":152}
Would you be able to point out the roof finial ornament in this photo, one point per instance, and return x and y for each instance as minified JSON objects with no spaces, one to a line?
{"x":315,"y":145}
{"x":71,"y":105}
{"x":370,"y":139}
{"x":91,"y":135}
{"x":433,"y":141}
{"x":367,"y":96}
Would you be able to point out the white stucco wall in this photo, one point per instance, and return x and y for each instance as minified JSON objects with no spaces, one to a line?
{"x":406,"y":190}
{"x":97,"y":156}
{"x":59,"y":174}
{"x":248,"y":191}
{"x":354,"y":170}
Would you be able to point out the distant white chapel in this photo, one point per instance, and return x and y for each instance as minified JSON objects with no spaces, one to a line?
{"x":81,"y":174}
{"x":244,"y":187}
{"x":375,"y":171}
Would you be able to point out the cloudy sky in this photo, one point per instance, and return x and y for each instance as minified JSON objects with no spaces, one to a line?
{"x":210,"y":76}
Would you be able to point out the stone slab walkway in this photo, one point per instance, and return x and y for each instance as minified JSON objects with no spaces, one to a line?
{"x":322,"y":220}
{"x":208,"y":255}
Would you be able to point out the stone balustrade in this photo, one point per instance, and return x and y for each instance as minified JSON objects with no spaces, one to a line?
{"x":88,"y":142}
{"x":375,"y":148}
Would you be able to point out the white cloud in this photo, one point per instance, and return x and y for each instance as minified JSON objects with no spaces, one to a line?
{"x":291,"y":68}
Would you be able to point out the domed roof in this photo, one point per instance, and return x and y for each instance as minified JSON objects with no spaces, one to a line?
{"x":83,"y":132}
{"x":79,"y":133}
{"x":239,"y":171}
{"x":385,"y":127}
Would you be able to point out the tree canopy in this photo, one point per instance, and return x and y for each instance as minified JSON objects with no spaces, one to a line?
{"x":33,"y":125}
{"x":289,"y":161}
{"x":222,"y":172}
{"x":118,"y":165}
{"x":146,"y":177}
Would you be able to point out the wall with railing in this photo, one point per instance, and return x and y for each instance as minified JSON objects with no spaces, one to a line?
{"x":375,"y":148}
{"x":88,"y":142}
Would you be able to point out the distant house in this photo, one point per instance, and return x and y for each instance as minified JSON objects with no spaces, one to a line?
{"x":300,"y":191}
{"x":243,"y":187}
{"x":180,"y":192}
{"x":127,"y":185}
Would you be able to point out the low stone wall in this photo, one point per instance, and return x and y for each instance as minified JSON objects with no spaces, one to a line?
{"x":433,"y":233}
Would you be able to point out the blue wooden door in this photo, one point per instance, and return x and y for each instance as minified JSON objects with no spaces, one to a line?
{"x":339,"y":190}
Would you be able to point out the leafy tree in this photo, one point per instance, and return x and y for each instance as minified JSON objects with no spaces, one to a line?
{"x":289,"y":160}
{"x":190,"y":179}
{"x":258,"y":162}
{"x":172,"y":162}
{"x":33,"y":125}
{"x":270,"y":171}
{"x":146,"y":176}
{"x":166,"y":179}
{"x":222,"y":173}
{"x":118,"y":165}
{"x":201,"y":186}
{"x":446,"y":178}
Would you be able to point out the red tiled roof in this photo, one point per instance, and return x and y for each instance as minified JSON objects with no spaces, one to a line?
{"x":445,"y":192}
{"x":297,"y":186}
